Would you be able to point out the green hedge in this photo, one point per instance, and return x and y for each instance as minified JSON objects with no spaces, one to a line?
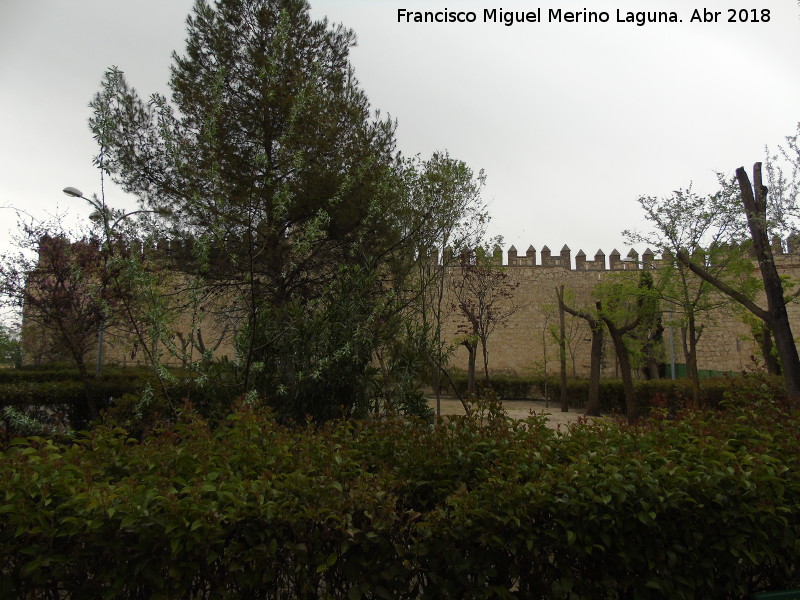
{"x":44,"y":406}
{"x":671,"y":394}
{"x":12,"y":376}
{"x":41,"y":374}
{"x":46,"y":394}
{"x":59,"y":393}
{"x":707,"y":507}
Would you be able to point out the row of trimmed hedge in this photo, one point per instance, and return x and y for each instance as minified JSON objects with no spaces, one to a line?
{"x":58,"y":372}
{"x":700,"y":508}
{"x":674,"y":394}
{"x":44,"y":372}
{"x":51,"y":395}
{"x":64,"y":392}
{"x":52,"y":407}
{"x":48,"y":400}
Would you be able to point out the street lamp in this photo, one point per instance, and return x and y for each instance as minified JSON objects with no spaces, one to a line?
{"x":101,"y":209}
{"x":671,"y":345}
{"x":102,"y":212}
{"x":74,"y":192}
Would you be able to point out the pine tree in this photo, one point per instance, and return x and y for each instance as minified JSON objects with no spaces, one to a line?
{"x":266,"y":151}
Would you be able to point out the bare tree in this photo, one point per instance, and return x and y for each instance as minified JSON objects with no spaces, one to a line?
{"x":562,"y":350}
{"x":451,"y":214}
{"x":484,"y":295}
{"x":60,"y":287}
{"x":754,"y":200}
{"x":596,"y":326}
{"x":703,"y":225}
{"x":623,"y":304}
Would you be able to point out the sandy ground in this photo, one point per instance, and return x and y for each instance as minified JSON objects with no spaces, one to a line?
{"x":519,"y":409}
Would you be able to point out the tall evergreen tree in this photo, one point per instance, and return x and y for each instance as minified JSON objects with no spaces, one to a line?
{"x":267,"y":145}
{"x":266,"y":151}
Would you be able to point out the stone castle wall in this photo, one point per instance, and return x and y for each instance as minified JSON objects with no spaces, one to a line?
{"x":525,"y":346}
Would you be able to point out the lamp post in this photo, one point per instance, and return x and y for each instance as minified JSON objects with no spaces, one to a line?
{"x":671,"y":346}
{"x":108,"y":228}
{"x":102,"y":210}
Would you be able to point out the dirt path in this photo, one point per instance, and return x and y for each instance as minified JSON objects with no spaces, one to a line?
{"x":519,"y":409}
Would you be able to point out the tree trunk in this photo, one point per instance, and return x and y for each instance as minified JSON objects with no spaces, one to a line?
{"x":596,"y":325}
{"x":438,"y":357}
{"x":562,"y":353}
{"x":621,"y":351}
{"x":485,"y":352}
{"x":690,"y":352}
{"x":464,"y":403}
{"x":471,"y":349}
{"x":652,"y":367}
{"x":593,"y":404}
{"x":754,"y":198}
{"x":763,"y":337}
{"x":755,"y":203}
{"x":651,"y":360}
{"x":617,"y":334}
{"x":87,"y":410}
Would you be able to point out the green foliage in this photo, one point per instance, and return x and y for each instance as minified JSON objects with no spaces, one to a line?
{"x":483,"y":297}
{"x":10,"y":355}
{"x":674,"y":396}
{"x":446,"y":200}
{"x":62,"y":290}
{"x":511,"y":387}
{"x":52,"y":406}
{"x":754,"y":389}
{"x":313,"y":358}
{"x":272,"y":167}
{"x":39,"y":374}
{"x":266,"y":150}
{"x":62,"y":372}
{"x":391,"y":508}
{"x":404,"y":363}
{"x":451,"y":214}
{"x":46,"y":393}
{"x":706,"y":226}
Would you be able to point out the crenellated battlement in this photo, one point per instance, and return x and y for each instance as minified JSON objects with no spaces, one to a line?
{"x":525,"y":343}
{"x":169,"y":248}
{"x":564,"y":259}
{"x":616,"y":262}
{"x":522,"y":345}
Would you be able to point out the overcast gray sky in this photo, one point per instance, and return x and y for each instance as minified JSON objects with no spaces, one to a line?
{"x":571,"y":121}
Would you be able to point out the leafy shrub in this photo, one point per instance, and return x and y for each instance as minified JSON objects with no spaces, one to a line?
{"x":53,"y":403}
{"x":59,"y":372}
{"x":312,"y":357}
{"x":668,"y":394}
{"x":391,"y":508}
{"x":751,"y":389}
{"x":25,"y":375}
{"x":48,"y":393}
{"x":510,"y":387}
{"x":130,"y":396}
